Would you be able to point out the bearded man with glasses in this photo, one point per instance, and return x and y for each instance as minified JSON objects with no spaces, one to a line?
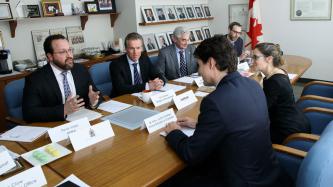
{"x":59,"y":88}
{"x":235,"y":31}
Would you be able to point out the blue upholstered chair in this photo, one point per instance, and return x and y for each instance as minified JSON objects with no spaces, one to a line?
{"x":100,"y":75}
{"x":13,"y":93}
{"x":153,"y":59}
{"x":316,"y":168}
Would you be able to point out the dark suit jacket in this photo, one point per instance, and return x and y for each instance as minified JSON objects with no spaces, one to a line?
{"x":122,"y":78}
{"x":42,"y":99}
{"x":168,"y":65}
{"x":231,"y":139}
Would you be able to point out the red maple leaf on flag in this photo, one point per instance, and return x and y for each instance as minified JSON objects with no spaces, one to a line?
{"x":254,"y":32}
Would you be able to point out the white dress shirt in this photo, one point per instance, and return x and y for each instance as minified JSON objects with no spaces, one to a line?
{"x":130,"y":63}
{"x":57,"y":72}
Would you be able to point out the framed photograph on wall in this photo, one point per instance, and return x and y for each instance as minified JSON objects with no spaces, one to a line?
{"x":198,"y":11}
{"x":149,"y":42}
{"x":180,"y":10}
{"x":310,"y":9}
{"x":5,"y":11}
{"x":170,"y":13}
{"x":190,"y":12}
{"x":91,"y":7}
{"x":206,"y":32}
{"x":198,"y":34}
{"x":31,"y":11}
{"x":38,"y":38}
{"x":170,"y":35}
{"x":51,"y":7}
{"x":148,"y":14}
{"x":160,"y":13}
{"x":162,"y":40}
{"x":193,"y":38}
{"x":239,"y":13}
{"x":206,"y":10}
{"x":106,"y":6}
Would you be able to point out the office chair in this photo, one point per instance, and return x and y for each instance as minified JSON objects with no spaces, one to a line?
{"x":100,"y":75}
{"x":153,"y":59}
{"x":13,"y":94}
{"x":314,"y":168}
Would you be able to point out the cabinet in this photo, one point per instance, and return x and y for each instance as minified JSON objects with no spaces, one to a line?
{"x":83,"y":18}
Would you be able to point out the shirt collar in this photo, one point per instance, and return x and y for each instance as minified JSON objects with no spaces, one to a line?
{"x":177,"y":50}
{"x":130,"y":62}
{"x":56,"y":69}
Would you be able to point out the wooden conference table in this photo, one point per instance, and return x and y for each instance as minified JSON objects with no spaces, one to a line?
{"x":132,"y":158}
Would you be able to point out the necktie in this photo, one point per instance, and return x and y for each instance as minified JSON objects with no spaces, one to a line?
{"x":67,"y":89}
{"x":137,"y":79}
{"x":183,"y":68}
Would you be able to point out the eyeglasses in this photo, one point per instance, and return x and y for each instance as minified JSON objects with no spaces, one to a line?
{"x":63,"y":52}
{"x":236,"y":32}
{"x":255,"y":57}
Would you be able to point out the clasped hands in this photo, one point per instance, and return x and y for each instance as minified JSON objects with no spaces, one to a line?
{"x":155,"y":84}
{"x":73,"y":104}
{"x":181,"y":122}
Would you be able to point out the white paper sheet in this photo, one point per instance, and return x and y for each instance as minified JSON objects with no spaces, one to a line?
{"x":173,"y":87}
{"x":187,"y":131}
{"x":113,"y":106}
{"x":83,"y":112}
{"x":292,"y":75}
{"x":23,"y":133}
{"x":188,"y":80}
{"x":201,"y":94}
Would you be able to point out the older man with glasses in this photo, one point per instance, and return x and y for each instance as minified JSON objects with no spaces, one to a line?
{"x":235,"y":31}
{"x":59,"y":88}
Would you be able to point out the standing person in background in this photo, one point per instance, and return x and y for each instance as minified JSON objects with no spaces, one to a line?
{"x":285,"y":117}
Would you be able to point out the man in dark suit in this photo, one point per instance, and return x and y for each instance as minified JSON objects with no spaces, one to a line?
{"x":133,"y":72}
{"x":231,"y":143}
{"x":59,"y":88}
{"x":177,"y":60}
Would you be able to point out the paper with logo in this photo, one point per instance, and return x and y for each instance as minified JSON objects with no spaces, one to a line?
{"x":160,"y":120}
{"x":23,"y":133}
{"x":83,"y":112}
{"x":45,"y":154}
{"x":61,"y":132}
{"x":162,"y":98}
{"x":29,"y":178}
{"x":87,"y":137}
{"x":6,"y":162}
{"x":113,"y":106}
{"x":184,"y":99}
{"x":74,"y":179}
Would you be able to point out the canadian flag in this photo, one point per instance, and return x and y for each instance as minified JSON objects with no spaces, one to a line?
{"x":254,"y":33}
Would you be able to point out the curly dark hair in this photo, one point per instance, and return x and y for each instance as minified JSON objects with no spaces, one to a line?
{"x":48,"y":42}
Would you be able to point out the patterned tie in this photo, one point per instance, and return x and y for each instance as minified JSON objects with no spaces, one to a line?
{"x":137,"y":78}
{"x":67,"y":89}
{"x":183,"y":68}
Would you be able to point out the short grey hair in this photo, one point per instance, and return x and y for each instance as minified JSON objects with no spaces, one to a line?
{"x":179,"y":31}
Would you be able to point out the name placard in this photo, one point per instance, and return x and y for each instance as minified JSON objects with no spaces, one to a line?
{"x":61,"y":132}
{"x":160,"y":120}
{"x":87,"y":137}
{"x":162,"y":98}
{"x":184,"y":99}
{"x":6,"y":162}
{"x":28,"y":178}
{"x":199,"y":81}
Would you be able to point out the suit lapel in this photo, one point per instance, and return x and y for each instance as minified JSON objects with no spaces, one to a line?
{"x":52,"y":83}
{"x":127,"y":70}
{"x":175,"y":59}
{"x":143,"y":69}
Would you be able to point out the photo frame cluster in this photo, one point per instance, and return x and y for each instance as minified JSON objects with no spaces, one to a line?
{"x":174,"y":12}
{"x":155,"y":41}
{"x":100,"y":6}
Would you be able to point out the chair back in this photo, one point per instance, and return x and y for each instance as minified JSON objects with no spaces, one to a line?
{"x":318,"y":121}
{"x":13,"y":93}
{"x":317,"y":167}
{"x":303,"y":104}
{"x":100,"y":75}
{"x":153,"y":59}
{"x":319,"y":90}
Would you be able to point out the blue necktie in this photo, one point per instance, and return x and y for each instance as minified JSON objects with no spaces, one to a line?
{"x":67,"y":89}
{"x":183,"y":68}
{"x":137,"y":79}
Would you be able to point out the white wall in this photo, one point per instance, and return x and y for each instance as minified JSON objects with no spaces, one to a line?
{"x":310,"y":39}
{"x":98,"y":29}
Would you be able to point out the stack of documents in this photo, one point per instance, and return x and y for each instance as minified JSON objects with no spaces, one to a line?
{"x":113,"y":106}
{"x":91,"y":115}
{"x":23,"y":133}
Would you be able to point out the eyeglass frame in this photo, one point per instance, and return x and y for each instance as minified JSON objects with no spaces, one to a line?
{"x":236,"y":32}
{"x":64,"y":51}
{"x":256,"y":57}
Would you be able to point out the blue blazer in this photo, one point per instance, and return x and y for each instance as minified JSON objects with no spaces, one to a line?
{"x":231,"y":140}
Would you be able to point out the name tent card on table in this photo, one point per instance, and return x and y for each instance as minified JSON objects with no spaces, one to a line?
{"x":183,"y":100}
{"x":61,"y":132}
{"x":87,"y":137}
{"x":162,"y":98}
{"x":160,"y":120}
{"x":6,"y":162}
{"x":199,"y":81}
{"x":28,"y":178}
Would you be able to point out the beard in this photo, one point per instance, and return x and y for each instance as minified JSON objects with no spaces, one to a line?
{"x":68,"y":65}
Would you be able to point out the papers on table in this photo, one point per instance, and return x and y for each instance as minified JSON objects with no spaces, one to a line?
{"x":83,"y":112}
{"x":292,"y":76}
{"x":130,"y":118}
{"x":113,"y":106}
{"x":11,"y":153}
{"x":45,"y":154}
{"x":187,"y":80}
{"x":187,"y":131}
{"x":31,"y":177}
{"x":74,"y":179}
{"x":201,"y":94}
{"x":6,"y":162}
{"x":23,"y":133}
{"x":173,"y":87}
{"x":159,"y":120}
